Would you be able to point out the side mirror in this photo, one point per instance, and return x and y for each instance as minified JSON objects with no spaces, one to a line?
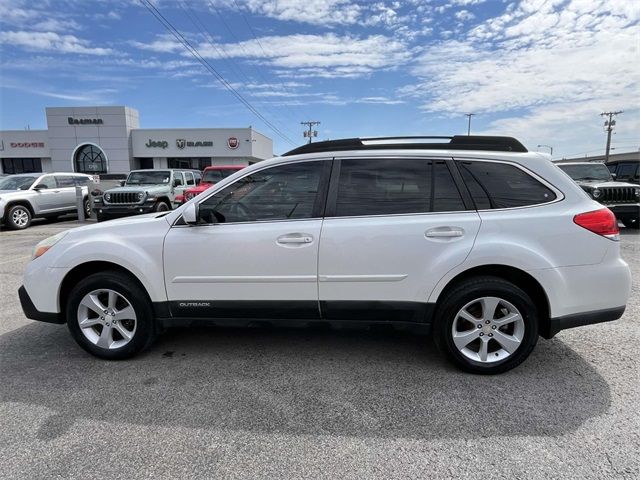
{"x":121,"y":182}
{"x":177,"y":182}
{"x":40,"y":186}
{"x":190,"y":214}
{"x":614,"y":176}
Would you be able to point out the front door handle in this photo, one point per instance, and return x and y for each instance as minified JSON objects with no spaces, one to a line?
{"x":295,"y":238}
{"x":444,"y":232}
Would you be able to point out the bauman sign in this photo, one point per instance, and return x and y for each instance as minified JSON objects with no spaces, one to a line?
{"x":84,"y":121}
{"x":27,"y":144}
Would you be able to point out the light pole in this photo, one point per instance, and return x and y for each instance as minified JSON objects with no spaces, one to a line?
{"x":469,"y":115}
{"x":549,"y":147}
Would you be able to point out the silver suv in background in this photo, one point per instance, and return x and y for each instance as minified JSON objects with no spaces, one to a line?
{"x":40,"y":195}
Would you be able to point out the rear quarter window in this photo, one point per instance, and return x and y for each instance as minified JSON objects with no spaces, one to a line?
{"x":500,"y":185}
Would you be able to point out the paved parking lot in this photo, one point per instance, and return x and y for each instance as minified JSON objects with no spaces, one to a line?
{"x":226,"y":403}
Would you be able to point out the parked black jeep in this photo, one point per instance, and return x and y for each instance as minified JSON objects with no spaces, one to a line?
{"x":621,"y":198}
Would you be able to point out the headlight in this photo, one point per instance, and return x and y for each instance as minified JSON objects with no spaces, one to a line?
{"x":595,"y":193}
{"x":44,"y":246}
{"x":140,"y":195}
{"x":107,"y":196}
{"x":637,"y":192}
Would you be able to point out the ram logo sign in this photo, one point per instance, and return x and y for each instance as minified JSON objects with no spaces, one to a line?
{"x":181,"y":143}
{"x":233,"y":143}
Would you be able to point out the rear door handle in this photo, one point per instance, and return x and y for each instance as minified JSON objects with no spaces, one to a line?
{"x":444,"y":232}
{"x":295,"y":238}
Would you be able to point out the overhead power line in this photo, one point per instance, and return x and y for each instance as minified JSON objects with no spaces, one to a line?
{"x":201,"y":27}
{"x":194,"y":52}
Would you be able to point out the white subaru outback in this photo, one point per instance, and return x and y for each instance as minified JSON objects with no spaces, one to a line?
{"x":473,"y":238}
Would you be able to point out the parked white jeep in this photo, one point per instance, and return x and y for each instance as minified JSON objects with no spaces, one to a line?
{"x":144,"y":191}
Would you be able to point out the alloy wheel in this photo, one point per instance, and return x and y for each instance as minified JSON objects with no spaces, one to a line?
{"x":20,"y":217}
{"x":106,"y":318}
{"x":488,"y":330}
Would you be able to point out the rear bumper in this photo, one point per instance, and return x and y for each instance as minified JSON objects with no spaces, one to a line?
{"x":30,"y":310}
{"x":582,"y":319}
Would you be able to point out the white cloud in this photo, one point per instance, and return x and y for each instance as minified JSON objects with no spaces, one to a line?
{"x":52,"y":42}
{"x":464,"y":15}
{"x":25,"y":15}
{"x":317,"y":12}
{"x":549,"y":67}
{"x":305,"y":55}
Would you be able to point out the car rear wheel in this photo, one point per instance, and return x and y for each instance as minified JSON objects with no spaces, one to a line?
{"x":110,"y":316}
{"x":486,"y":325}
{"x":18,"y":217}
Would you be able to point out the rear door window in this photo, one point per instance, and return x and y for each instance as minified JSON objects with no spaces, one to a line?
{"x":500,"y":185}
{"x":66,"y":181}
{"x":392,"y":186}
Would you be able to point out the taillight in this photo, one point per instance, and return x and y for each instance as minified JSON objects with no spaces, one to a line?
{"x":603,"y":222}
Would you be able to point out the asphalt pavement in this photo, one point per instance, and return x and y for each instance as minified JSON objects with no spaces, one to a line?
{"x":279,"y":404}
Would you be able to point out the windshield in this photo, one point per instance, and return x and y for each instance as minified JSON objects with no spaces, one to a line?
{"x":214,"y":176}
{"x":17,"y":182}
{"x":597,"y":171}
{"x":152,"y":177}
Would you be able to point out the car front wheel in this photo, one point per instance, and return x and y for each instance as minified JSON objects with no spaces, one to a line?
{"x":486,"y":325}
{"x":110,"y":316}
{"x":18,"y":217}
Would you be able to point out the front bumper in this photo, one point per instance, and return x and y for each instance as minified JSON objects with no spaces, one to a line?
{"x":30,"y":310}
{"x":111,"y":210}
{"x":625,"y":210}
{"x":582,"y":319}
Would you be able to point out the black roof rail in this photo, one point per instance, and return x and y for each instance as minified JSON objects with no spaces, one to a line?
{"x":456,"y":142}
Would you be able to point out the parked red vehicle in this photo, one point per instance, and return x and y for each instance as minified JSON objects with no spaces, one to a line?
{"x":211,"y":176}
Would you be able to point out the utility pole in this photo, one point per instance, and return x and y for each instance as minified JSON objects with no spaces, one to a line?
{"x":608,"y":127}
{"x":311,"y":132}
{"x":469,"y":115}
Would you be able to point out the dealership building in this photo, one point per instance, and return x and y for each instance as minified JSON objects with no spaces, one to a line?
{"x":101,"y":140}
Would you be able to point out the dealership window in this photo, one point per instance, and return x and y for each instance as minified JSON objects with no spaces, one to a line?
{"x":90,"y":159}
{"x":21,"y":165}
{"x":189,"y":162}
{"x":146,"y":163}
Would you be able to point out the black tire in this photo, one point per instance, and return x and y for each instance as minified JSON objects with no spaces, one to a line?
{"x":161,"y":206}
{"x":469,"y":290}
{"x":124,"y":285}
{"x":631,"y":223}
{"x":14,"y":214}
{"x":87,"y":208}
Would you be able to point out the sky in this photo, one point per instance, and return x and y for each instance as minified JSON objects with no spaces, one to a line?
{"x":539,"y":70}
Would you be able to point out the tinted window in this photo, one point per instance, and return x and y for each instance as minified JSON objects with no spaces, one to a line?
{"x":596,"y":171}
{"x":82,"y":181}
{"x":498,"y":185}
{"x":65,"y":181}
{"x":627,"y":171}
{"x":395,"y":186}
{"x":277,"y":193}
{"x":214,"y":176}
{"x":48,"y":182}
